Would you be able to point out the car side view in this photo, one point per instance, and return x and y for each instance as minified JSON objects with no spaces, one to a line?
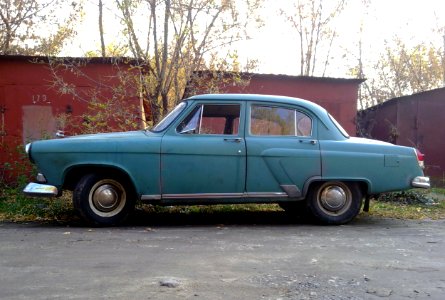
{"x":231,"y":148}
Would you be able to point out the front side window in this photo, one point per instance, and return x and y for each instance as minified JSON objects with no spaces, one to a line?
{"x":268,"y":120}
{"x":212,"y":119}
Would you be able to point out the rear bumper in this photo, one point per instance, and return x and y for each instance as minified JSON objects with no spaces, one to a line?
{"x":421,"y":182}
{"x":42,"y":190}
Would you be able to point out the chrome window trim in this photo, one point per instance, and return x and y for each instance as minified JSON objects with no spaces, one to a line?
{"x":177,"y":108}
{"x":200,"y":118}
{"x":296,"y":110}
{"x":201,"y":107}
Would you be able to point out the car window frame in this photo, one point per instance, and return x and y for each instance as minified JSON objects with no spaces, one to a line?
{"x":166,"y":127}
{"x":194,"y":104}
{"x":338,"y":126}
{"x":299,"y":109}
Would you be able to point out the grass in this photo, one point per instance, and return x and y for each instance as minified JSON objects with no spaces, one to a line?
{"x":407,"y":211}
{"x":412,"y":204}
{"x":15,"y":207}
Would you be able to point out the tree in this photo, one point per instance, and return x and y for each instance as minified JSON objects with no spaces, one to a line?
{"x":34,"y":27}
{"x":399,"y":71}
{"x":110,"y":99}
{"x":402,"y":70}
{"x":101,"y":29}
{"x":312,"y":20}
{"x":165,"y":54}
{"x":176,"y":39}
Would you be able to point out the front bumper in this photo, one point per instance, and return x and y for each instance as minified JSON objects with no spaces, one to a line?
{"x":421,"y":182}
{"x":42,"y":190}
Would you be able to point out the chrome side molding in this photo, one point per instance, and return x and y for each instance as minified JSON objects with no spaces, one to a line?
{"x":215,"y":196}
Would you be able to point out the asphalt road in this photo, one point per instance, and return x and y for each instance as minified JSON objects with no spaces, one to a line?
{"x":259,"y":256}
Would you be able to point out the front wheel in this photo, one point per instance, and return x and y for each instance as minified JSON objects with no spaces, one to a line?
{"x":335,"y":202}
{"x":103,"y":201}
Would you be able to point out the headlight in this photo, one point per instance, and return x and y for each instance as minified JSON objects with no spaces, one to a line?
{"x":28,"y":151}
{"x":27,"y":148}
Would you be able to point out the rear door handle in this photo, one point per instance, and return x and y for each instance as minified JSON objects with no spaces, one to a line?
{"x":233,"y":140}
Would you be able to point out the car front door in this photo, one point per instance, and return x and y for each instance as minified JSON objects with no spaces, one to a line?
{"x":204,"y":155}
{"x":283,"y":152}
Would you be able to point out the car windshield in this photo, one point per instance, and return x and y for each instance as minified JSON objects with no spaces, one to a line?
{"x":169,"y":118}
{"x":342,"y":130}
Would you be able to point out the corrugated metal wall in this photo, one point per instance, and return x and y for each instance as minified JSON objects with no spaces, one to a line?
{"x":416,"y":121}
{"x":337,"y":95}
{"x":30,"y":104}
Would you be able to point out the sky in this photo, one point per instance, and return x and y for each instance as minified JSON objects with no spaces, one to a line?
{"x":275,"y":45}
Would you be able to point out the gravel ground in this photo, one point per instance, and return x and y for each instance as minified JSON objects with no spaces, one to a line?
{"x":258,"y":258}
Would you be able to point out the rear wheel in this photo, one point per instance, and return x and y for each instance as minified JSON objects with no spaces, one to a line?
{"x":103,"y":200}
{"x":335,"y":202}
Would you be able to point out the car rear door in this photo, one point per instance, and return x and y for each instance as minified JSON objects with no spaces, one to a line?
{"x":283,"y":152}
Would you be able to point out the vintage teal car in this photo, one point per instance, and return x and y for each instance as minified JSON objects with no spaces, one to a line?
{"x":214,"y":149}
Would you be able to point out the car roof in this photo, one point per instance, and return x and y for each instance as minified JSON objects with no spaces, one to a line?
{"x":262,"y":98}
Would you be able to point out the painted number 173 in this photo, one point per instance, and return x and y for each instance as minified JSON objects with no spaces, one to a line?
{"x":40,"y":98}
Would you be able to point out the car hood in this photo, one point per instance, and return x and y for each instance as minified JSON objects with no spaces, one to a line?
{"x":112,"y":135}
{"x":131,"y":141}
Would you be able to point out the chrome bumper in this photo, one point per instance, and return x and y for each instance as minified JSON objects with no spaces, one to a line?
{"x":43,"y":190}
{"x":421,"y":182}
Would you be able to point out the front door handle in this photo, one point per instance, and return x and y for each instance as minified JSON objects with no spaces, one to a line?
{"x":233,"y":140}
{"x":312,"y":142}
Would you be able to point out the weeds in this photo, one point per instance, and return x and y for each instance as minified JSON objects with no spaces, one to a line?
{"x":410,"y":197}
{"x":16,"y":207}
{"x":403,"y":211}
{"x":411,"y":204}
{"x":209,"y":209}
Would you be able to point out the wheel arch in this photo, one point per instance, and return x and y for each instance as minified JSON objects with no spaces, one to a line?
{"x":364,"y":184}
{"x":75,"y":173}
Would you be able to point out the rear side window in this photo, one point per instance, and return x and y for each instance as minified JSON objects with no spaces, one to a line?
{"x":269,"y":120}
{"x":212,"y":119}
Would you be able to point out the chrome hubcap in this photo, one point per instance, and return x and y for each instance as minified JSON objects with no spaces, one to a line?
{"x":333,"y":198}
{"x":106,"y":198}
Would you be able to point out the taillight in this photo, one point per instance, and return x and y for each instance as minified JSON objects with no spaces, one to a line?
{"x":420,"y":158}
